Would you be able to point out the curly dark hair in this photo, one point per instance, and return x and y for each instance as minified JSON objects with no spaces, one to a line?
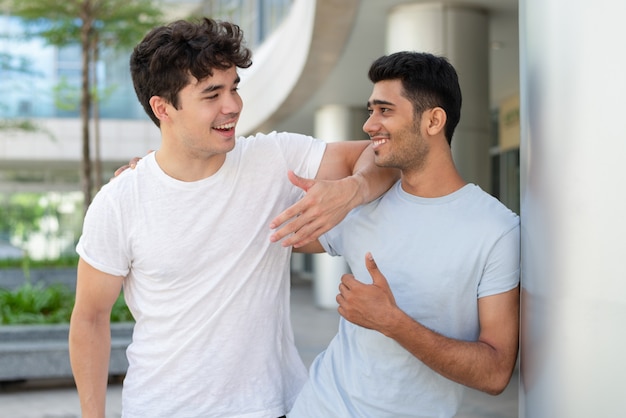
{"x":427,"y":80}
{"x":162,"y":63}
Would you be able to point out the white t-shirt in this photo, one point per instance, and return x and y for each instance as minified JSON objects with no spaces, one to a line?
{"x":439,"y":256}
{"x":208,"y":291}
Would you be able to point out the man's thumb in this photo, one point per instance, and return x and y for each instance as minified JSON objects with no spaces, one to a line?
{"x":301,"y":182}
{"x":371,"y":266}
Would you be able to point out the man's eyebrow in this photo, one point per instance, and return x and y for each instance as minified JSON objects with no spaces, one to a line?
{"x":213,"y":87}
{"x":377,"y":102}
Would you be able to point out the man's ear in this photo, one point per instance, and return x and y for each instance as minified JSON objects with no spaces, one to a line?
{"x":435,"y":121}
{"x":159,"y":107}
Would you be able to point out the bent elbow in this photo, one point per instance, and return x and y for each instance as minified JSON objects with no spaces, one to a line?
{"x":496,"y":390}
{"x":498,"y":383}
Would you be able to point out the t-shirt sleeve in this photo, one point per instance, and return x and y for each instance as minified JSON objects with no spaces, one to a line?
{"x":303,"y":154}
{"x":331,"y":240}
{"x":502,"y":271}
{"x":101,"y":244}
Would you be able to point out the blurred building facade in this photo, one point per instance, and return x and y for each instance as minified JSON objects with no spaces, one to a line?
{"x":309,"y":76}
{"x":310,"y":57}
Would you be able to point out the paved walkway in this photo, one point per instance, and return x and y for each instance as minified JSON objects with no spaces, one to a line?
{"x":313,"y":329}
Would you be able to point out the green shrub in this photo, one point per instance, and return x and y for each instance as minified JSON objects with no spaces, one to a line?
{"x":63,"y":261}
{"x":120,"y":312}
{"x":46,"y":305}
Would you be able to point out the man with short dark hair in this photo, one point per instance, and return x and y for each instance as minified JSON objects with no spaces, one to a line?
{"x":432,"y":304}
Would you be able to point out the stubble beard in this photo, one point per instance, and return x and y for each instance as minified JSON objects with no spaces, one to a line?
{"x":410,"y":152}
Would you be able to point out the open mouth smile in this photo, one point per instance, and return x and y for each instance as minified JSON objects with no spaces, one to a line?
{"x":225,"y":126}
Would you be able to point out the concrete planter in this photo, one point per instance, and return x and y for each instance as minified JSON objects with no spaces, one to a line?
{"x":29,"y":352}
{"x":41,"y":351}
{"x":13,"y":278}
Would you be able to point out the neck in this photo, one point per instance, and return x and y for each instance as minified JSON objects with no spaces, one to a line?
{"x":436,"y":178}
{"x":189,"y":167}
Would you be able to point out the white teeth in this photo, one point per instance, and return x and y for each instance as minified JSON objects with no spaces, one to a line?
{"x":226,"y":126}
{"x":379,"y":141}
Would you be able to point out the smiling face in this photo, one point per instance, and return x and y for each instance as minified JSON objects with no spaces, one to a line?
{"x":394,"y":128}
{"x":204,"y":123}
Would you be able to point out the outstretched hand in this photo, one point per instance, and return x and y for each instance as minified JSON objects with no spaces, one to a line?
{"x":367,"y":305}
{"x":324,"y":205}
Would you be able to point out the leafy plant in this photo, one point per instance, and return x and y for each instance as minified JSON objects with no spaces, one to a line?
{"x":27,"y":217}
{"x":46,"y":305}
{"x":63,"y":261}
{"x":92,"y":24}
{"x":120,"y":312}
{"x":36,"y":305}
{"x":20,"y":214}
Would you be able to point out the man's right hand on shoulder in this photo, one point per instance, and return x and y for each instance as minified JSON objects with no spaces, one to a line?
{"x":131,"y":164}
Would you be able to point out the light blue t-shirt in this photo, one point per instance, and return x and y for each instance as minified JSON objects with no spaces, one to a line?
{"x":439,"y":255}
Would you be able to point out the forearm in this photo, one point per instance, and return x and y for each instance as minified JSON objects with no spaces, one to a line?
{"x":475,"y":364}
{"x":347,"y":178}
{"x":372,"y":181}
{"x":90,"y":344}
{"x":486,"y":364}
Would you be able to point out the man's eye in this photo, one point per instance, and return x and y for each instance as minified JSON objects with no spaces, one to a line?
{"x":384,"y":109}
{"x":370,"y":111}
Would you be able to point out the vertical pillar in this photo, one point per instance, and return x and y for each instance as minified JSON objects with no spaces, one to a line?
{"x":333,"y":123}
{"x":572,"y":151}
{"x":298,"y":264}
{"x":461,"y":34}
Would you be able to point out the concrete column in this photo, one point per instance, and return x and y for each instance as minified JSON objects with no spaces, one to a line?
{"x":573,"y":201}
{"x":333,"y":123}
{"x":461,"y":34}
{"x":298,"y":264}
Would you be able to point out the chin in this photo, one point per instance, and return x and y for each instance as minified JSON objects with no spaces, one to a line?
{"x":379,"y":160}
